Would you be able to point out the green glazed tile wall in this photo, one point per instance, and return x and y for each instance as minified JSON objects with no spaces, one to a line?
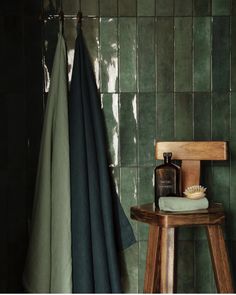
{"x":166,"y":69}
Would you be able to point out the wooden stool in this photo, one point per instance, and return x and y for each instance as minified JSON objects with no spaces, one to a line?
{"x":159,"y":275}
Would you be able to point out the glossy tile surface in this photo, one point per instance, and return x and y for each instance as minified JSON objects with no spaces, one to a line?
{"x":147,"y":128}
{"x":129,"y":192}
{"x":233,"y":53}
{"x":201,"y":7}
{"x":183,"y":54}
{"x":185,"y":267}
{"x":128,"y":129}
{"x":221,"y":7}
{"x":164,"y":8}
{"x":127,"y":7}
{"x":146,"y":54}
{"x":165,"y":54}
{"x":233,"y":167}
{"x":145,"y":195}
{"x":220,"y":54}
{"x":202,"y":116}
{"x":183,"y":8}
{"x":183,"y":116}
{"x":90,"y":7}
{"x":108,"y":8}
{"x":220,"y":116}
{"x":202,"y":53}
{"x":109,"y":54}
{"x":110,"y":106}
{"x":146,"y":7}
{"x":203,"y":262}
{"x":127,"y":50}
{"x":165,"y":116}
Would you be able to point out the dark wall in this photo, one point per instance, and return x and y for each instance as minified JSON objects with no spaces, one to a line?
{"x":20,"y":124}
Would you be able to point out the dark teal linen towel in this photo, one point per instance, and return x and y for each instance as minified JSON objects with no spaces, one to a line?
{"x":99,"y":225}
{"x":182,"y":204}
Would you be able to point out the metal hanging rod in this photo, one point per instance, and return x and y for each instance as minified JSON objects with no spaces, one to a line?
{"x":77,"y":16}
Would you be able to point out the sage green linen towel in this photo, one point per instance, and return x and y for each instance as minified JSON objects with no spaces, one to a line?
{"x":48,"y":267}
{"x":182,"y":204}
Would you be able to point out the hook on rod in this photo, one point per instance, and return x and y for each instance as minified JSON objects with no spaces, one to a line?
{"x":79,"y":17}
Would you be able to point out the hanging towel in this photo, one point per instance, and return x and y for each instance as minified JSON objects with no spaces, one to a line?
{"x":48,"y":266}
{"x":99,"y":224}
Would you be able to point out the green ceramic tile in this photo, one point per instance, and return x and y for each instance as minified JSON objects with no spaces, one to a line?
{"x":183,"y":116}
{"x":145,"y":195}
{"x":129,"y":192}
{"x":203,"y":268}
{"x":183,"y":54}
{"x":108,"y":8}
{"x":147,"y":128}
{"x":127,"y":38}
{"x":220,"y":116}
{"x":202,"y":116}
{"x":202,"y":53}
{"x":70,"y":6}
{"x":111,"y":113}
{"x":91,"y":28}
{"x":142,"y":265}
{"x":165,"y":116}
{"x":115,"y":173}
{"x":89,"y":7}
{"x":233,"y":8}
{"x":185,"y":267}
{"x":165,"y":54}
{"x":221,"y":183}
{"x":146,"y":54}
{"x":221,"y":7}
{"x":183,"y":7}
{"x":201,"y":7}
{"x":221,"y":54}
{"x":129,"y":269}
{"x":128,"y":129}
{"x":51,"y":7}
{"x":233,"y":53}
{"x":146,"y":185}
{"x":232,"y":147}
{"x":164,"y":8}
{"x":127,"y":7}
{"x":146,"y":7}
{"x":109,"y":54}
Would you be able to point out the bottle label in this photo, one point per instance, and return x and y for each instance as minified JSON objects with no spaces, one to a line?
{"x":166,"y":183}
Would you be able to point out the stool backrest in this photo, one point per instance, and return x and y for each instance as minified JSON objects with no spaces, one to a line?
{"x":191,"y":153}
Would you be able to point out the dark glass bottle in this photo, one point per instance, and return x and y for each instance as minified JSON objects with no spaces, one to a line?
{"x":167,"y":179}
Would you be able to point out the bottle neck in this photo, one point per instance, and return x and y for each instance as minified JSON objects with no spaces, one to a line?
{"x":167,"y":160}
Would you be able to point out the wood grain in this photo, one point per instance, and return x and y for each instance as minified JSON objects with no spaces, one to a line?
{"x":193,"y":150}
{"x":152,"y":273}
{"x":148,"y":214}
{"x":190,"y":171}
{"x":220,"y":259}
{"x":167,"y":260}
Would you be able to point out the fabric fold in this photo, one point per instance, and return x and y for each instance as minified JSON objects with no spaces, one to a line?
{"x":48,"y":266}
{"x":99,"y":225}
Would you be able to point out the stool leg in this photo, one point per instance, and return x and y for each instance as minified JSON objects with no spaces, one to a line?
{"x":220,"y":260}
{"x":151,"y":282}
{"x":167,"y":260}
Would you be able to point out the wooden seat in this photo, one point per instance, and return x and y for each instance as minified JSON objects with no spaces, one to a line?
{"x":160,"y":262}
